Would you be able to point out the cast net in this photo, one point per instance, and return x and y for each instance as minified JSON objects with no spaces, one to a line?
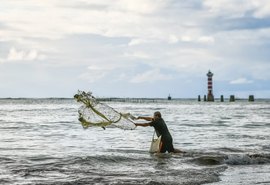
{"x":95,"y":113}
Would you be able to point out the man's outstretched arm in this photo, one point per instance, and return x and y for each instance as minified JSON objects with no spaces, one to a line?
{"x":145,"y":118}
{"x":142,"y":124}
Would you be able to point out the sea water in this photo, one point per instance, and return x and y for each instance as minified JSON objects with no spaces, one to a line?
{"x":42,"y":142}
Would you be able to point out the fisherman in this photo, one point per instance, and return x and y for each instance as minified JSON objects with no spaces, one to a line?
{"x":162,"y":130}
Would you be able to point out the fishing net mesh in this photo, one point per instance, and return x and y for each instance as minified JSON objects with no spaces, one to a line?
{"x":95,"y":113}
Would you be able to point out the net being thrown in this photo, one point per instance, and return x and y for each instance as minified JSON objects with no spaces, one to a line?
{"x":95,"y":113}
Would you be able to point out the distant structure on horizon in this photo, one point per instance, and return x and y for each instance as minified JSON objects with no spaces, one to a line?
{"x":210,"y":96}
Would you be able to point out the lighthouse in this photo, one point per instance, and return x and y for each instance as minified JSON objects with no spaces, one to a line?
{"x":210,"y":96}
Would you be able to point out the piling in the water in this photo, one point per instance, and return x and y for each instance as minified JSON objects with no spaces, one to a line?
{"x":251,"y":98}
{"x":221,"y":98}
{"x":199,"y":98}
{"x":204,"y":98}
{"x":232,"y":98}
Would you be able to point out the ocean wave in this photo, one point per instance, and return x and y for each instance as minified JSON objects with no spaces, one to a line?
{"x":234,"y":150}
{"x":241,"y":136}
{"x":106,"y":159}
{"x":221,"y":123}
{"x":265,"y":147}
{"x":120,"y":169}
{"x":6,"y":160}
{"x":256,"y":125}
{"x":229,"y":159}
{"x":247,"y":159}
{"x":209,"y":160}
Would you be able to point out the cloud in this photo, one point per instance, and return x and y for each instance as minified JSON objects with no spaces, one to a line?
{"x":55,"y":20}
{"x":138,"y":54}
{"x":262,"y":8}
{"x":238,"y":8}
{"x":173,"y":39}
{"x":92,"y":76}
{"x":241,"y":81}
{"x":95,"y":73}
{"x":206,"y":39}
{"x":140,"y":6}
{"x":134,"y":42}
{"x":151,"y":76}
{"x":140,"y":41}
{"x":15,"y":55}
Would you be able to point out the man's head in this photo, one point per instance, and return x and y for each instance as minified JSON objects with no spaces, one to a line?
{"x":157,"y":114}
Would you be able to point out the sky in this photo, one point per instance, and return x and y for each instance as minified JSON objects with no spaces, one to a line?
{"x":134,"y":48}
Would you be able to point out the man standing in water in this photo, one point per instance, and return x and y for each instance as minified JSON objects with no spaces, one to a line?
{"x":161,"y":128}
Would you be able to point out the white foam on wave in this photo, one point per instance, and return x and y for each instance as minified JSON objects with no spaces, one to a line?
{"x":247,"y":159}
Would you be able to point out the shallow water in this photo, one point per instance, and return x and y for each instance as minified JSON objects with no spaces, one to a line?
{"x":42,"y":142}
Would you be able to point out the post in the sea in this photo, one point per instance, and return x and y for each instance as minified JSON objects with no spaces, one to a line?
{"x":232,"y":98}
{"x":251,"y":98}
{"x":210,"y":96}
{"x":222,"y":98}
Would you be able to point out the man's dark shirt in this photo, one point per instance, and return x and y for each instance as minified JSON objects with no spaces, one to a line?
{"x":160,"y":127}
{"x":166,"y":138}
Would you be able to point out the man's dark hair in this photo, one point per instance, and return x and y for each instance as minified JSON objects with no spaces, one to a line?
{"x":158,"y":114}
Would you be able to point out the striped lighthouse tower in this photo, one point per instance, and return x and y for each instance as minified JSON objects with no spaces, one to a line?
{"x":210,"y":96}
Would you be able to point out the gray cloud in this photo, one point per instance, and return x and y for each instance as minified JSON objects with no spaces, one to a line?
{"x":244,"y":23}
